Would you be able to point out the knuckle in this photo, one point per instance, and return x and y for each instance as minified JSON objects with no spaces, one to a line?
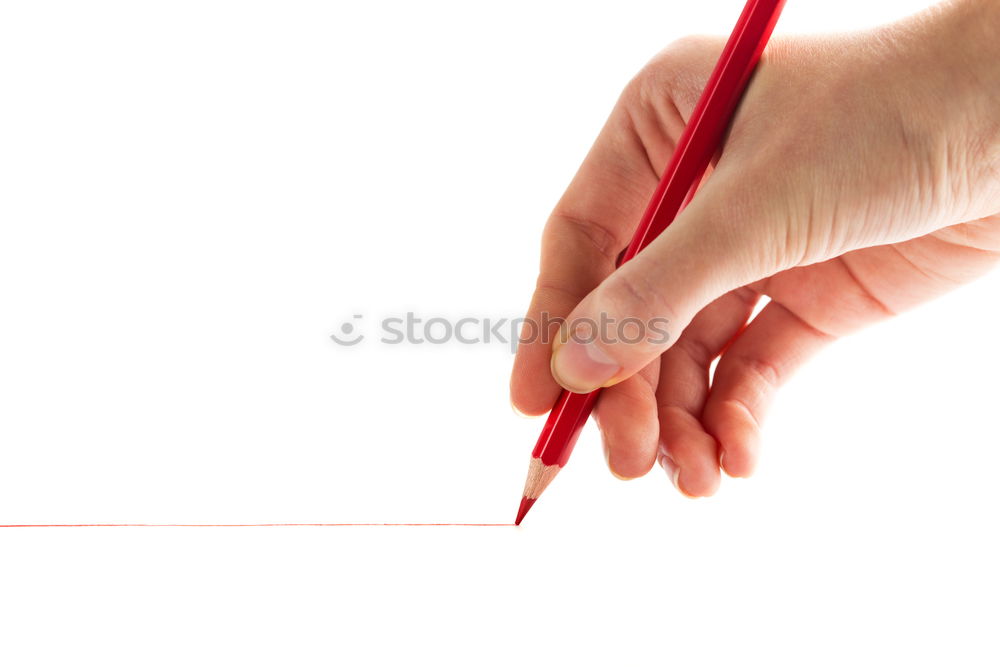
{"x":598,"y":236}
{"x":633,"y":292}
{"x":667,"y":66}
{"x":684,"y":57}
{"x":553,"y":295}
{"x":639,"y":90}
{"x":766,"y":375}
{"x":761,"y":227}
{"x":696,"y":350}
{"x":691,"y":47}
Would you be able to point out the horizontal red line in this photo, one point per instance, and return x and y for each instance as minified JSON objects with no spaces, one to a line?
{"x":226,"y":525}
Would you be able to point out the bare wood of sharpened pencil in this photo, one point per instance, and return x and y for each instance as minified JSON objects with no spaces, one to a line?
{"x":539,"y":477}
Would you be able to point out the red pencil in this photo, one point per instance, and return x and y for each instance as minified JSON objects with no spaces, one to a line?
{"x":697,"y":145}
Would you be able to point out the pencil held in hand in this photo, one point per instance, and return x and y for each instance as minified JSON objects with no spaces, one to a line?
{"x":697,"y":145}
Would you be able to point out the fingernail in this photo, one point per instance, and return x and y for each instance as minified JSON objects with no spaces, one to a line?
{"x":582,"y":366}
{"x":607,"y":459}
{"x":621,"y":477}
{"x":518,"y":412}
{"x":673,"y":472}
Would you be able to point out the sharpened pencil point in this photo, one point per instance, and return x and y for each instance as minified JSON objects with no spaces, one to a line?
{"x":526,"y":504}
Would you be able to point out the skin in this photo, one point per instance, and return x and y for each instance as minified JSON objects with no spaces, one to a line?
{"x":860,"y":177}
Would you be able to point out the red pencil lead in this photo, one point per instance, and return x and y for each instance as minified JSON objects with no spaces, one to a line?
{"x":526,"y":504}
{"x":539,"y":477}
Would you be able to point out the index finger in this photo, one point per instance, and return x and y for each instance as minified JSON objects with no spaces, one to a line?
{"x":590,"y":225}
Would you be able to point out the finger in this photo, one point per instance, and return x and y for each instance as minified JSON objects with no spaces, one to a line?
{"x":763,"y":356}
{"x":592,"y":222}
{"x":626,"y":416}
{"x":687,"y":452}
{"x":724,"y":239}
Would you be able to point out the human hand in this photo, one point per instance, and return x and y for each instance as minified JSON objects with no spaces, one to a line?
{"x":860,"y":177}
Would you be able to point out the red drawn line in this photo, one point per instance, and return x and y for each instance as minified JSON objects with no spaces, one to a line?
{"x":226,"y":525}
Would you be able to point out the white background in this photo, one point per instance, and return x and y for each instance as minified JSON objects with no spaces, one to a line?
{"x":195,"y":195}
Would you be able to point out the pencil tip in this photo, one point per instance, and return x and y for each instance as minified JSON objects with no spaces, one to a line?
{"x":526,"y":504}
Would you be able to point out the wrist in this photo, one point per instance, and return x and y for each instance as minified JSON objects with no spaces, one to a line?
{"x":968,"y":44}
{"x":949,"y":80}
{"x":973,"y":27}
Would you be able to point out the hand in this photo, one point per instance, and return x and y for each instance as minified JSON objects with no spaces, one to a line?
{"x":861,"y":176}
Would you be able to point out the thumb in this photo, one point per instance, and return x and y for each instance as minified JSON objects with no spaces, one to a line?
{"x":721,"y":241}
